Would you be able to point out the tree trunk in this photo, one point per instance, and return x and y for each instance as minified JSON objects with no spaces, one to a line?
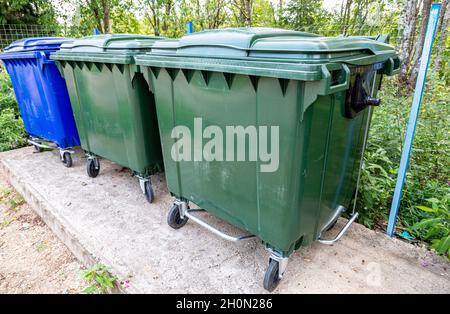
{"x":346,"y":10}
{"x":401,"y":25}
{"x":280,"y":12}
{"x":93,"y":5}
{"x":153,"y":21}
{"x":156,"y":25}
{"x":356,"y":13}
{"x":419,"y":43}
{"x":440,"y":47}
{"x":199,"y":14}
{"x":218,"y":16}
{"x":244,"y":14}
{"x":248,"y":12}
{"x":441,"y":14}
{"x":106,"y":21}
{"x":364,"y":15}
{"x":408,"y":27}
{"x":168,"y":5}
{"x":214,"y":14}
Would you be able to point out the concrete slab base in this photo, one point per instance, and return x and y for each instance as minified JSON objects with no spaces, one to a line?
{"x":108,"y":220}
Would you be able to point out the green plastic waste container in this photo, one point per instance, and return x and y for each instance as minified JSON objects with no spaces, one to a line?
{"x":113,"y":107}
{"x":298,"y":104}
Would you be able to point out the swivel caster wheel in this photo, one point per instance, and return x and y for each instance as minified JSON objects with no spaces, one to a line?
{"x":93,"y":167}
{"x":174,"y":218}
{"x":272,"y":277}
{"x":67,"y":159}
{"x":149,"y":195}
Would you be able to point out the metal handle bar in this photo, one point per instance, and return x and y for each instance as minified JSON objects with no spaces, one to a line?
{"x":214,"y":230}
{"x":342,"y":232}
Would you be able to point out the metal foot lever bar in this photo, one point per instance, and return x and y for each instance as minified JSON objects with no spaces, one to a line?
{"x":40,"y":144}
{"x":214,"y":230}
{"x":342,"y":232}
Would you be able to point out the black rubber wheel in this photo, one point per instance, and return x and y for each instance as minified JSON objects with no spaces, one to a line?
{"x":271,"y":278}
{"x":38,"y":149}
{"x":92,"y":171}
{"x":174,"y":220}
{"x":149,"y":195}
{"x":67,"y":160}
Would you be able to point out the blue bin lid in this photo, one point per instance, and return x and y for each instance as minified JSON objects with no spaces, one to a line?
{"x":36,"y":44}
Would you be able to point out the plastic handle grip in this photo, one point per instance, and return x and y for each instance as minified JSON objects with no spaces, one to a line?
{"x":392,"y":66}
{"x":45,"y":59}
{"x":345,"y":74}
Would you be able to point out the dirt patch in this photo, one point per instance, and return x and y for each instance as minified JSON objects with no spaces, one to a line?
{"x":32,"y":259}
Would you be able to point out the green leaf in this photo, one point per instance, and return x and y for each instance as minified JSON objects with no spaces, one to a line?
{"x":444,"y":245}
{"x":426,"y":222}
{"x":101,"y":280}
{"x":432,"y":200}
{"x":393,"y":171}
{"x":426,"y":209}
{"x":89,"y":290}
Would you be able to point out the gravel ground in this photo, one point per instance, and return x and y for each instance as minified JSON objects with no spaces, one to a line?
{"x":32,"y":259}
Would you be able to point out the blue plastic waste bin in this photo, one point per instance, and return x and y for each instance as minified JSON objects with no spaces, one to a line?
{"x":41,"y":94}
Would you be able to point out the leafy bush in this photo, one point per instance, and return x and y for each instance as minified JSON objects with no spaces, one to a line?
{"x":436,"y":227}
{"x":12,"y":131}
{"x":7,"y":97}
{"x":428,"y":173}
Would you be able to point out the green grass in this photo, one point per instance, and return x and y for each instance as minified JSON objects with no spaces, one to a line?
{"x":427,"y":180}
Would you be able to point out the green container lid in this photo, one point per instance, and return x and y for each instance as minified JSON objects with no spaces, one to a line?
{"x":271,"y":52}
{"x":111,"y":48}
{"x":277,"y":44}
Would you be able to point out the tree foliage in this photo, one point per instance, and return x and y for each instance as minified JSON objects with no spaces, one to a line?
{"x":123,"y":18}
{"x":301,"y":14}
{"x":39,"y":12}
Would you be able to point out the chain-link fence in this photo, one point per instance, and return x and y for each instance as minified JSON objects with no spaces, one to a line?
{"x":12,"y":32}
{"x":329,"y":29}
